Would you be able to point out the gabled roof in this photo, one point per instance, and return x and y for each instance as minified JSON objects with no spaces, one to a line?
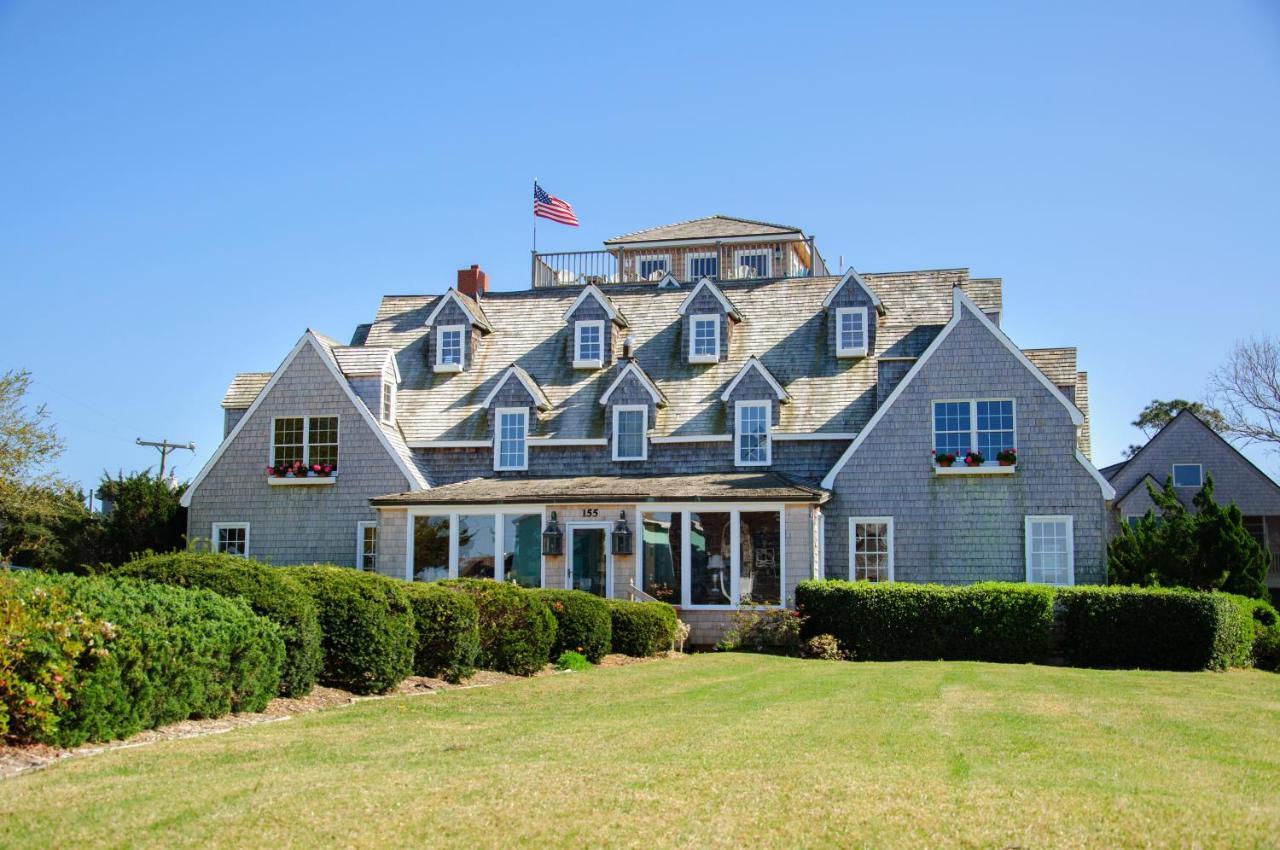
{"x":632,"y":368}
{"x":852,"y":276}
{"x":475,"y":314}
{"x":1148,"y":478}
{"x":362,"y":361}
{"x":526,"y":380}
{"x":706,"y":284}
{"x":593,"y":291}
{"x":753,"y":363}
{"x":710,"y":227}
{"x":244,"y":388}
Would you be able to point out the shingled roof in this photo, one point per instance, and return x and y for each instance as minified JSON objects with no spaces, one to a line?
{"x":244,"y":388}
{"x":711,"y":227}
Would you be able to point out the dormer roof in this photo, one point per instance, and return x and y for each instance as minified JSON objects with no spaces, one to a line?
{"x":526,"y":380}
{"x":710,"y":227}
{"x":593,"y":291}
{"x":361,"y":361}
{"x":852,"y":278}
{"x":475,"y":313}
{"x":706,"y":284}
{"x":633,"y":369}
{"x":754,"y":364}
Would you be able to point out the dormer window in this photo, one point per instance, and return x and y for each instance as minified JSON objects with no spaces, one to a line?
{"x":704,"y":341}
{"x":450,"y":352}
{"x":753,"y":262}
{"x":698,"y":266}
{"x":388,"y":402}
{"x":851,"y":332}
{"x":510,"y":448}
{"x":630,"y":432}
{"x":751,"y":440}
{"x":588,"y":346}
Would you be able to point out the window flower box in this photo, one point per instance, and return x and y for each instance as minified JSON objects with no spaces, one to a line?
{"x":973,"y":463}
{"x":286,"y":474}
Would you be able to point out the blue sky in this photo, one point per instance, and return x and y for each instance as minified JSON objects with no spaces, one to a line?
{"x":184,"y":188}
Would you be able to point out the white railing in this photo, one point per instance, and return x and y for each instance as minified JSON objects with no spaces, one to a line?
{"x":687,"y":263}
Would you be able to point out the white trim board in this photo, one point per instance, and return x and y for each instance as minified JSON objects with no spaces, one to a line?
{"x":535,"y":392}
{"x":633,"y":368}
{"x":852,"y":275}
{"x":452,"y":295}
{"x":707,"y":283}
{"x":594,"y":292}
{"x":753,"y":362}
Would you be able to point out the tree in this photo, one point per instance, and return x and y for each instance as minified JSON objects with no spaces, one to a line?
{"x":1248,"y":390}
{"x":145,"y":515}
{"x":1159,"y":413}
{"x":1209,"y":549}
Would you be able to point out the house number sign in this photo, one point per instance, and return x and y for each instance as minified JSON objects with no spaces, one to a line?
{"x":591,"y":512}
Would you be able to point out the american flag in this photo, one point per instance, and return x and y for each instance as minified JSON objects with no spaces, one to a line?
{"x":549,"y":206}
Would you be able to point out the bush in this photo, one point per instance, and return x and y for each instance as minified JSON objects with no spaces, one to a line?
{"x":1261,"y":624}
{"x":517,"y":629}
{"x":583,"y":623}
{"x":270,"y":592}
{"x":823,"y":648}
{"x":1152,"y":628}
{"x":448,"y":626}
{"x":776,"y":631}
{"x":366,"y":626}
{"x":898,"y":621}
{"x":169,"y":654}
{"x":571,"y":660}
{"x":642,"y":628}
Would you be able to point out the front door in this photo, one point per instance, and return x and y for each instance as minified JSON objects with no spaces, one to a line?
{"x":588,"y":559}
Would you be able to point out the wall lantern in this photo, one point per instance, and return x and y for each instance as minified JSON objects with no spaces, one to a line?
{"x":552,"y":537}
{"x":621,"y":535}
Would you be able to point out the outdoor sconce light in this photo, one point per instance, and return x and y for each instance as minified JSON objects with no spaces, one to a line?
{"x":621,"y":535}
{"x":552,"y":537}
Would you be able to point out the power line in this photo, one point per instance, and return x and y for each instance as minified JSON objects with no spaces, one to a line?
{"x":165,"y":447}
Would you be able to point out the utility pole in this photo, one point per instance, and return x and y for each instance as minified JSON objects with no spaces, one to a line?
{"x":165,"y":447}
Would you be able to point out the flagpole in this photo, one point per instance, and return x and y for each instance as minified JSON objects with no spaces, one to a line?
{"x":535,"y":219}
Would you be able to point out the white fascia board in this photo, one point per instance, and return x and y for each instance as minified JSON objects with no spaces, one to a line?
{"x":707,"y":283}
{"x":710,"y":242}
{"x":534,"y":392}
{"x":650,"y":386}
{"x":812,"y":435}
{"x":450,"y":444}
{"x":694,"y":438}
{"x":852,"y":275}
{"x":754,"y":362}
{"x":452,"y":295}
{"x":593,"y":291}
{"x":1108,"y":492}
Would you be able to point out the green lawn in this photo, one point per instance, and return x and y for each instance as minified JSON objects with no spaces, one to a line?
{"x":709,"y":751}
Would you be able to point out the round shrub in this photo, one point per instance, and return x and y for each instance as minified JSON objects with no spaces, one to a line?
{"x":270,"y":592}
{"x":366,"y":627}
{"x":583,"y":623}
{"x":1261,"y":633}
{"x":517,"y":629}
{"x":448,"y":626}
{"x":642,"y":628}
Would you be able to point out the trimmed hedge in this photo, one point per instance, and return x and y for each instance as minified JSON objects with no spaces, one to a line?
{"x":270,"y":592}
{"x":1262,"y":623}
{"x":517,"y":629}
{"x":366,"y":624}
{"x":583,"y":623}
{"x":169,"y":654}
{"x":642,"y":628}
{"x":1152,"y":628}
{"x":900,"y":621}
{"x":448,"y":626}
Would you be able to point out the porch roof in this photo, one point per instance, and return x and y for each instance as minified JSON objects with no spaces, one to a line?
{"x":624,"y":489}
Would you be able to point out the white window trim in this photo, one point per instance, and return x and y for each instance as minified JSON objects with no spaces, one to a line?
{"x":868,"y":520}
{"x":714,"y":318}
{"x":618,"y":409}
{"x":360,"y":529}
{"x":737,"y":433}
{"x":973,"y":425}
{"x":388,"y":411}
{"x":1173,"y":475}
{"x":306,"y":434}
{"x":580,"y":362}
{"x":767,"y":253}
{"x":499,"y":534}
{"x":497,"y":438}
{"x":666,"y":258}
{"x":219,"y":526}
{"x":700,"y":255}
{"x":857,"y":350}
{"x":440,"y":365}
{"x":1071,"y":543}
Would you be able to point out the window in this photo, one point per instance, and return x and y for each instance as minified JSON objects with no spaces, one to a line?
{"x":749,"y":263}
{"x":231,"y":538}
{"x":661,"y":554}
{"x":986,"y":426}
{"x":1188,"y":475}
{"x":871,"y":549}
{"x":430,"y":548}
{"x":698,"y":266}
{"x":388,"y":402}
{"x":1132,"y":520}
{"x":704,"y":338}
{"x":510,"y":451}
{"x":753,"y":433}
{"x":719,"y":558}
{"x":367,"y":546}
{"x":710,"y":558}
{"x":310,"y":439}
{"x":760,"y":570}
{"x":588,"y":349}
{"x":468,"y":545}
{"x":851,"y":332}
{"x":449,"y":348}
{"x":522,"y":549}
{"x":630,"y":432}
{"x":653,"y":266}
{"x":477,"y":545}
{"x":1050,"y":550}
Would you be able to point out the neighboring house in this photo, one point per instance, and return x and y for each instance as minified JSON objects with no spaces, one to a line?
{"x":1186,"y":451}
{"x":707,"y":417}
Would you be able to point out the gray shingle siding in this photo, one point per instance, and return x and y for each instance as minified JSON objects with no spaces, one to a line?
{"x":590,"y":310}
{"x":706,"y":303}
{"x":890,"y":373}
{"x":451,"y":314}
{"x":230,"y":418}
{"x":851,"y":295}
{"x":956,"y":529}
{"x":297,"y":524}
{"x":629,"y":392}
{"x":753,"y":387}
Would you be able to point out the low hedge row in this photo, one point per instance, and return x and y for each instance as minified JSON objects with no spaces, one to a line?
{"x":270,"y":592}
{"x":132,"y":655}
{"x":448,"y":626}
{"x":517,"y":628}
{"x":642,"y":628}
{"x":583,"y":623}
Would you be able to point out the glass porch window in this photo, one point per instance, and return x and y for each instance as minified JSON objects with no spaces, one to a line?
{"x":430,"y":548}
{"x":660,"y":555}
{"x":476,"y":546}
{"x":760,"y":572}
{"x":522,"y":549}
{"x":710,"y":559}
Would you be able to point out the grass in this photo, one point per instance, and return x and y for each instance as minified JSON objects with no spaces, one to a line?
{"x":709,"y":751}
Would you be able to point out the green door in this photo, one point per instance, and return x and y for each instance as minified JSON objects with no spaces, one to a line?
{"x":588,"y":561}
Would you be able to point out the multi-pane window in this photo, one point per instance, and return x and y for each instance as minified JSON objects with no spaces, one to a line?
{"x":388,"y":402}
{"x":1050,"y":550}
{"x":705,"y":342}
{"x":510,"y":451}
{"x":477,"y":545}
{"x":719,"y":558}
{"x":503,"y":547}
{"x":367,"y":546}
{"x":430,"y":548}
{"x":851,"y":331}
{"x":629,"y":426}
{"x":752,"y":263}
{"x":231,"y":538}
{"x":952,"y":427}
{"x":652,"y":267}
{"x":985,"y":426}
{"x":753,"y":433}
{"x":310,"y":439}
{"x":1188,"y":475}
{"x":589,"y":346}
{"x":449,"y":347}
{"x":699,"y":266}
{"x":995,"y":427}
{"x":871,"y":549}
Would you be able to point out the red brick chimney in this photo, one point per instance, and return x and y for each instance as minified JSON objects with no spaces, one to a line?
{"x":473,"y":281}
